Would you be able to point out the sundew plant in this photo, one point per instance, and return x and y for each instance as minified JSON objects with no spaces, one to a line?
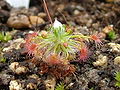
{"x":58,"y":44}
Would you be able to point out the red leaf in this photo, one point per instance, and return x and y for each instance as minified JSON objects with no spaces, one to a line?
{"x":84,"y":53}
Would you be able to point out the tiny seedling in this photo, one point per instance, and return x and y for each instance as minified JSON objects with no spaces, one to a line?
{"x":2,"y":59}
{"x":112,"y":35}
{"x":60,"y":86}
{"x":92,"y":88}
{"x":117,"y":78}
{"x":4,"y":37}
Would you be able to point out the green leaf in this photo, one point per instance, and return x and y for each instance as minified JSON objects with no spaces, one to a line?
{"x":60,"y":86}
{"x":1,"y":37}
{"x":3,"y":60}
{"x":92,"y":88}
{"x":112,"y":35}
{"x":7,"y":38}
{"x":117,"y":84}
{"x":117,"y":76}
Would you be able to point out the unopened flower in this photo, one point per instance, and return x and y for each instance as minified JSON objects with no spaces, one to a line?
{"x":57,"y":24}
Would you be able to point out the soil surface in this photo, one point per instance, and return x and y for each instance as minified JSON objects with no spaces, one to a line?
{"x":85,"y":16}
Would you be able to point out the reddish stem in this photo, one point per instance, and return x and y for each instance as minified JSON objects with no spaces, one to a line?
{"x":47,"y":11}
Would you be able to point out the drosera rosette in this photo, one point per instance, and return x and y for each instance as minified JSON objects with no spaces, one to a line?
{"x":58,"y":44}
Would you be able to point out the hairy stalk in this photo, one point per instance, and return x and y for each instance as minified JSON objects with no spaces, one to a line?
{"x":47,"y":11}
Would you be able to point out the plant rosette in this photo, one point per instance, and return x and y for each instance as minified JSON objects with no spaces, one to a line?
{"x":57,"y":45}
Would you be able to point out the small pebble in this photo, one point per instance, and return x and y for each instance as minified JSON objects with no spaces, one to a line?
{"x":21,"y":70}
{"x":15,"y":67}
{"x":50,"y":83}
{"x":15,"y":85}
{"x":42,"y":15}
{"x":117,"y":60}
{"x":32,"y":86}
{"x":102,"y":61}
{"x":35,"y":20}
{"x":20,"y":21}
{"x":107,"y":29}
{"x":114,"y":47}
{"x":76,"y":12}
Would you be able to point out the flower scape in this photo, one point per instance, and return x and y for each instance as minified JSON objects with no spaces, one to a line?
{"x":56,"y":47}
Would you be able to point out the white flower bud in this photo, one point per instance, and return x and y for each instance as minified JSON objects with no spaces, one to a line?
{"x":57,"y":24}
